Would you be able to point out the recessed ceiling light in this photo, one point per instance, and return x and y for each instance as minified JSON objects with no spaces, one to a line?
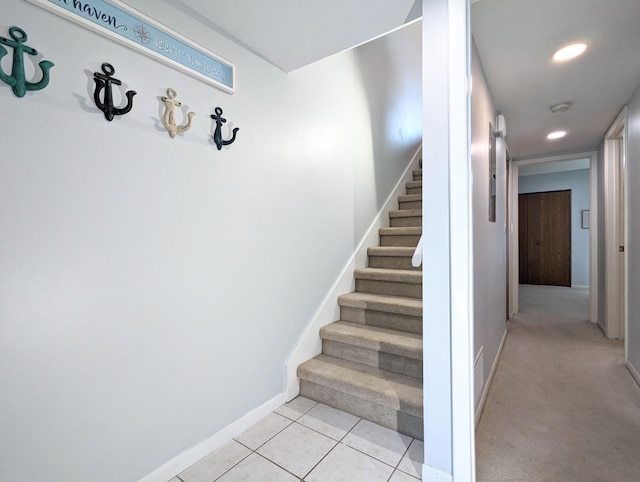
{"x":569,"y":52}
{"x":556,"y":135}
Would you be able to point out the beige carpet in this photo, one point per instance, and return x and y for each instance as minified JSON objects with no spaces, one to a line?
{"x":562,"y":406}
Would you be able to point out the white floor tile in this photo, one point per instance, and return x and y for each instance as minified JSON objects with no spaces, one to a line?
{"x":382,"y":443}
{"x":262,"y":431}
{"x":402,"y":477}
{"x":296,"y":408}
{"x":344,"y":464}
{"x":298,"y":449}
{"x":255,"y":468}
{"x":215,"y":464}
{"x":412,"y":462}
{"x":329,"y":421}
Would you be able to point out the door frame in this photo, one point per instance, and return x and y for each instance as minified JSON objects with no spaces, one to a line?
{"x":615,"y":323}
{"x":593,"y":230}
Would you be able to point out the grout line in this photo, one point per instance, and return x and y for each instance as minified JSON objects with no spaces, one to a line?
{"x":319,"y":461}
{"x":278,"y":465}
{"x":235,"y":465}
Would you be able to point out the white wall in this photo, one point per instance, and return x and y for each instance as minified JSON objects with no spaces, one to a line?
{"x":578,"y":182}
{"x":152,"y":288}
{"x":633,"y":263}
{"x":490,"y":271}
{"x":601,"y":237}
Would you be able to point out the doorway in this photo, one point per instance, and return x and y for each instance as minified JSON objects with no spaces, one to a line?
{"x":544,"y":238}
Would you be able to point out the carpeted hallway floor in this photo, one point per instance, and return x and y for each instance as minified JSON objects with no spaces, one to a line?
{"x":562,"y":406}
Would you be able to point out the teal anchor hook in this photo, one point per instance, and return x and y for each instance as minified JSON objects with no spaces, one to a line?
{"x":17,"y":80}
{"x":103,"y":82}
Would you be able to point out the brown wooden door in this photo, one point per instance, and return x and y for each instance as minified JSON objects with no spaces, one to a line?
{"x":545,"y":238}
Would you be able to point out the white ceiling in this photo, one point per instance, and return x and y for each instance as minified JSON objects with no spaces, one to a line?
{"x":293,"y":33}
{"x":515,"y":40}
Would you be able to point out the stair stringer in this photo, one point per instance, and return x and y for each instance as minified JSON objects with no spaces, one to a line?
{"x":309,"y":344}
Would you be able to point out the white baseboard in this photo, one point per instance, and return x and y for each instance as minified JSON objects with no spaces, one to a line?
{"x":633,"y":371}
{"x":430,"y":474}
{"x":309,"y":344}
{"x":602,"y":328}
{"x":189,"y":457}
{"x":487,"y":385}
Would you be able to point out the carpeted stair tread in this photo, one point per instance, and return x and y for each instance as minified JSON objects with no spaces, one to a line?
{"x":389,"y":304}
{"x":405,"y":213}
{"x":413,"y":184}
{"x":384,"y":340}
{"x":401,"y":231}
{"x":382,"y":274}
{"x":392,"y":251}
{"x":373,"y":384}
{"x":405,"y":198}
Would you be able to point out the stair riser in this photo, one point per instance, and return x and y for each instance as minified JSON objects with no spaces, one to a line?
{"x":382,"y":319}
{"x":414,"y":190}
{"x":386,"y":361}
{"x":417,"y":177}
{"x":389,"y":288}
{"x":392,"y":262}
{"x":406,"y":222}
{"x":410,"y":205}
{"x":402,"y":240}
{"x":387,"y":417}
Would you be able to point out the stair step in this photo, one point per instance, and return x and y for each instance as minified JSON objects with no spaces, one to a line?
{"x":400,"y":236}
{"x":405,"y":218}
{"x":391,"y":282}
{"x":392,"y":257}
{"x":410,"y":201}
{"x":414,"y":187}
{"x":392,"y":350}
{"x":417,"y":174}
{"x":391,"y":400}
{"x":392,"y":312}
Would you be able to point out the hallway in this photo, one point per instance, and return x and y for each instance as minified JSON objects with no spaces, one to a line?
{"x":562,"y":406}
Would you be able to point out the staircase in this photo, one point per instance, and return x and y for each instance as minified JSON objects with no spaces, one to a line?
{"x":371,"y":361}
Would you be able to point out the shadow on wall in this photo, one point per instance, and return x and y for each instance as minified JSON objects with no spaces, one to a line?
{"x":391,"y":72}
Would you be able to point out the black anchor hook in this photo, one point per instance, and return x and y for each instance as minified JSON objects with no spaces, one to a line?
{"x":104,"y":81}
{"x":217,"y":135}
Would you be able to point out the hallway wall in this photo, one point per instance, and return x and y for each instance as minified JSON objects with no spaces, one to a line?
{"x":578,"y":182}
{"x":633,"y":171}
{"x":152,"y":288}
{"x":489,"y":241}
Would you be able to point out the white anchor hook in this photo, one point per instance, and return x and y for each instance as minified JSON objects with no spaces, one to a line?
{"x":169,"y":119}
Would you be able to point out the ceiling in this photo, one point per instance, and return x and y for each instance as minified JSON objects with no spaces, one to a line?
{"x":515,"y":40}
{"x":293,"y":33}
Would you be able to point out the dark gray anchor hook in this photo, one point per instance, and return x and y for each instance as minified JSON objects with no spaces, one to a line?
{"x":217,"y":135}
{"x":104,"y":82}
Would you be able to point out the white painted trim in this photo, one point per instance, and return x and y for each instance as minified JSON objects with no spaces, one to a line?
{"x":514,"y":252}
{"x":580,"y":286}
{"x":461,"y":243}
{"x":633,"y":371}
{"x":593,"y":230}
{"x":430,"y":474}
{"x":190,"y":456}
{"x":611,"y":241}
{"x":309,"y":344}
{"x":602,"y":328}
{"x":487,"y":385}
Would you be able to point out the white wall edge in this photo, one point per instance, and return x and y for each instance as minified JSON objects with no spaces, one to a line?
{"x":190,"y":456}
{"x":633,"y":371}
{"x":580,"y":286}
{"x":487,"y":385}
{"x":309,"y":344}
{"x":602,"y":328}
{"x":429,"y":474}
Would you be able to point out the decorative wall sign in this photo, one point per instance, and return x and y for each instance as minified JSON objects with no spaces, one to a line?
{"x":134,"y":29}
{"x":169,"y":118}
{"x":217,"y":135}
{"x":104,"y":82}
{"x":17,"y":80}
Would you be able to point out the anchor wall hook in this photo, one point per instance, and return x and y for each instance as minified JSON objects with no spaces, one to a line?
{"x":104,"y":82}
{"x":169,"y":119}
{"x":217,"y":135}
{"x":17,"y":80}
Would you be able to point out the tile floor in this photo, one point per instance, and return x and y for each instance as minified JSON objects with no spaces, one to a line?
{"x":309,"y":441}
